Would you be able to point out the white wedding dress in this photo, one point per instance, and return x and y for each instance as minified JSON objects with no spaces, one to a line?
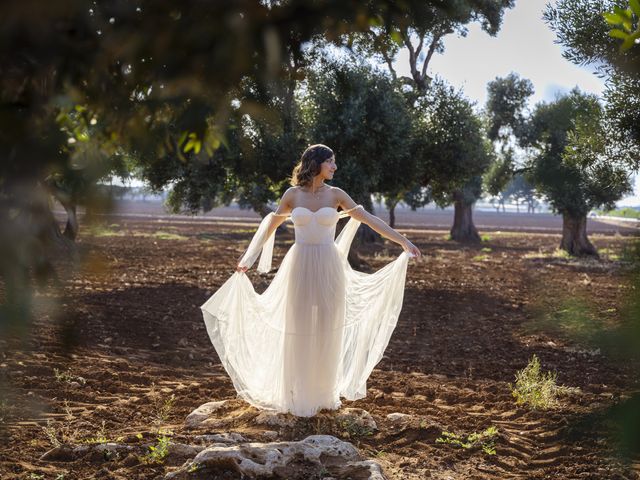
{"x":317,"y":331}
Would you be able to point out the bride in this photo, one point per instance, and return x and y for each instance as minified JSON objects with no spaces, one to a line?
{"x":317,"y":331}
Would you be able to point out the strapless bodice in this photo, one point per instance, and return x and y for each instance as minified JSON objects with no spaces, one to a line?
{"x":313,"y":228}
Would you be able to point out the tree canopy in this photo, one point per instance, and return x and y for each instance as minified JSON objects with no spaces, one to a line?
{"x":157,"y":81}
{"x":582,"y":29}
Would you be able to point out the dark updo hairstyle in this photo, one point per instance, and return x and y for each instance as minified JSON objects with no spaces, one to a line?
{"x":309,"y":164}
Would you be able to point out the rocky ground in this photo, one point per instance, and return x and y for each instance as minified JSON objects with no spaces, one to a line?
{"x":118,"y":379}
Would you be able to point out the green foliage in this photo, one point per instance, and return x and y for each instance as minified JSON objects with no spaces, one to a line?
{"x":499,"y":174}
{"x":101,"y":435}
{"x":537,"y":389}
{"x":51,"y":433}
{"x":158,"y":452}
{"x":421,"y":35}
{"x":506,"y":121}
{"x":452,"y":150}
{"x":621,"y":212}
{"x":484,"y":440}
{"x":575,"y":166}
{"x":585,"y":36}
{"x":352,"y":428}
{"x":626,"y":23}
{"x":623,"y":113}
{"x":507,"y":99}
{"x":63,"y":431}
{"x":161,"y":405}
{"x":168,"y":236}
{"x":68,"y":377}
{"x":61,"y":118}
{"x":360,"y":113}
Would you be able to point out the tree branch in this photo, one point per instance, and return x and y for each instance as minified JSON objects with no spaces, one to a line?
{"x":389,"y":61}
{"x":419,"y":47}
{"x":432,"y":48}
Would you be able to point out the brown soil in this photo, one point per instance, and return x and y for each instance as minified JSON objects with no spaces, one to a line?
{"x":125,"y":333}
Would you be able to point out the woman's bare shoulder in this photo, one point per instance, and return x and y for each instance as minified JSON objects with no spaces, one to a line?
{"x":289,"y":194}
{"x":339,"y":193}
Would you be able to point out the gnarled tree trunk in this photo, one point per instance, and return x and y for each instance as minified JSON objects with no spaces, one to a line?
{"x":392,"y":214}
{"x":463,"y":229}
{"x":365,"y":233}
{"x":71,"y":228}
{"x":69,"y":205}
{"x":574,"y":236}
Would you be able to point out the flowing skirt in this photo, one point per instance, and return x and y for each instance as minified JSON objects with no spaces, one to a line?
{"x":314,"y":335}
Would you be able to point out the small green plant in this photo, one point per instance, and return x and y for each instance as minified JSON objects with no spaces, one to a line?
{"x":486,"y":250}
{"x":324,"y":472}
{"x":537,"y":389}
{"x":159,"y":451}
{"x":609,"y":254}
{"x":162,"y":406}
{"x":194,"y":467}
{"x":168,"y":236}
{"x":485,"y":238}
{"x":485,"y":440}
{"x":68,"y":377}
{"x":36,"y":476}
{"x":559,"y":253}
{"x":59,"y":433}
{"x":353,"y":428}
{"x":480,"y":258}
{"x":51,"y":433}
{"x":101,"y":435}
{"x":101,"y":231}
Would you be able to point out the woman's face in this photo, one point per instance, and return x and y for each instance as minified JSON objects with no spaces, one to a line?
{"x":328,"y":167}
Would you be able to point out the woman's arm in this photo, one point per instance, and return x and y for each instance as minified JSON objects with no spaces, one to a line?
{"x":377,"y":224}
{"x":277,"y":219}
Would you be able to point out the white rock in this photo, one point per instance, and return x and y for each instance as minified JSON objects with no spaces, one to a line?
{"x":183,"y":451}
{"x":111,"y":447}
{"x":357,"y":417}
{"x":398,"y":417}
{"x":230,"y":437}
{"x":270,"y":434}
{"x":262,"y":459}
{"x":275,"y":419}
{"x":200,"y":414}
{"x":375,"y":470}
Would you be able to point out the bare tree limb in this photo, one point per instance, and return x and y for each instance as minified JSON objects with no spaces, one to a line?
{"x":432,"y":48}
{"x":389,"y":61}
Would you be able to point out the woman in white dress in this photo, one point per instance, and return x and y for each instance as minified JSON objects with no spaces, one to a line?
{"x":315,"y":334}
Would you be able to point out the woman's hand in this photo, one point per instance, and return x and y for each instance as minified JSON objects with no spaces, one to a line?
{"x":241,"y":269}
{"x":411,"y":249}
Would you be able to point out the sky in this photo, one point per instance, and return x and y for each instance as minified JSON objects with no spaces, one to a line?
{"x":524,"y":45}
